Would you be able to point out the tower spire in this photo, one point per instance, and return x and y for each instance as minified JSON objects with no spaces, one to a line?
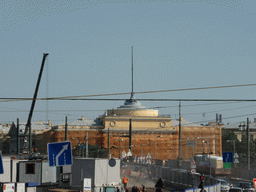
{"x":132,"y":97}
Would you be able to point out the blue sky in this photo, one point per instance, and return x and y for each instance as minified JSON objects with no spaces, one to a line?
{"x":176,"y":44}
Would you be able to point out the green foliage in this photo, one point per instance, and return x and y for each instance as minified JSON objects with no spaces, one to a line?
{"x":94,"y":151}
{"x":231,"y":143}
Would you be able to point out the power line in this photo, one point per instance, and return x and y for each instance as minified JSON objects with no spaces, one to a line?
{"x":220,"y":110}
{"x":143,"y":92}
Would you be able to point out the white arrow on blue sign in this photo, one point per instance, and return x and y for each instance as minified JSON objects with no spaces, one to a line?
{"x":59,"y":153}
{"x":227,"y":157}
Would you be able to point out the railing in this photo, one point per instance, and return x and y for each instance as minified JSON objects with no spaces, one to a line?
{"x":181,"y":179}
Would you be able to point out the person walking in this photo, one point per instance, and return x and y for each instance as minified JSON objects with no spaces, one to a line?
{"x":125,"y":181}
{"x":136,"y":188}
{"x":143,"y":188}
{"x":133,"y":188}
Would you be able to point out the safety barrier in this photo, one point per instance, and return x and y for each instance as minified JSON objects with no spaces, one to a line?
{"x":212,"y":188}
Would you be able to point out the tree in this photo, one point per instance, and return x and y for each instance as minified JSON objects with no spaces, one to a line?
{"x":94,"y":151}
{"x":240,"y":146}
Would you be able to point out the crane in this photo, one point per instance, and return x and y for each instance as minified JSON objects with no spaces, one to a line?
{"x":27,"y":132}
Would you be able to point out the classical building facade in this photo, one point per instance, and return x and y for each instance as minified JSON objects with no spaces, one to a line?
{"x":151,"y":134}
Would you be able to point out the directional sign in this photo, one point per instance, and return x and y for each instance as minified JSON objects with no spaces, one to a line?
{"x":1,"y":164}
{"x":228,"y":157}
{"x":59,"y":154}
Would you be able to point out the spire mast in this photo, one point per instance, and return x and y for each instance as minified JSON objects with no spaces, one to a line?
{"x":132,"y":71}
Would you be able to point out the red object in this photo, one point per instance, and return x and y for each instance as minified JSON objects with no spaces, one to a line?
{"x":254,"y":182}
{"x":201,"y":178}
{"x":125,"y":180}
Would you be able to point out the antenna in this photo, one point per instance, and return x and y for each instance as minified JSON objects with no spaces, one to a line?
{"x":132,"y":71}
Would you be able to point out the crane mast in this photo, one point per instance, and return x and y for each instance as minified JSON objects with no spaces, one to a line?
{"x":27,"y":134}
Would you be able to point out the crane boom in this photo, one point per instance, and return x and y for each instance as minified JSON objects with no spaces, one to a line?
{"x":28,"y":125}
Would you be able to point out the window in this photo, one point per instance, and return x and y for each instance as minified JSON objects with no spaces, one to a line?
{"x":30,"y":168}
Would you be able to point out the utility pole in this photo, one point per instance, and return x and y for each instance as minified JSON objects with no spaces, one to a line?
{"x":79,"y":148}
{"x":180,"y":156}
{"x":66,"y":128}
{"x":108,"y":145}
{"x":87,"y":145}
{"x":18,"y":136}
{"x":248,"y":144}
{"x":130,"y":135}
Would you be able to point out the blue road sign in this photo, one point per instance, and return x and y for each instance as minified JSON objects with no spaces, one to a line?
{"x":1,"y":164}
{"x":227,"y":157}
{"x":59,"y":153}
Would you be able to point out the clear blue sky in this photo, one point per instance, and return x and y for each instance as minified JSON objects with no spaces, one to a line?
{"x":176,"y":43}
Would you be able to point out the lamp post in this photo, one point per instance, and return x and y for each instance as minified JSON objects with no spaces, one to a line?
{"x":203,"y":145}
{"x":234,"y":146}
{"x":155,"y":146}
{"x":119,"y":147}
{"x":79,"y":145}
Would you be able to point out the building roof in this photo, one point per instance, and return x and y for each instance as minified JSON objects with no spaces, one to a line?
{"x":81,"y":123}
{"x":240,"y":125}
{"x":132,"y":104}
{"x":84,"y":122}
{"x":184,"y":123}
{"x":36,"y":125}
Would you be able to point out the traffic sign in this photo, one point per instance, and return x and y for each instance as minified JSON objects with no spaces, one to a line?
{"x":227,"y":157}
{"x":192,"y":166}
{"x":59,"y":153}
{"x":112,"y":162}
{"x":123,"y":154}
{"x":254,"y":183}
{"x":192,"y":162}
{"x":193,"y":171}
{"x":1,"y":163}
{"x":149,"y":156}
{"x":129,"y":154}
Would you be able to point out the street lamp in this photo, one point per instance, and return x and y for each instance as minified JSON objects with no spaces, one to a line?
{"x":79,"y":145}
{"x":203,"y":144}
{"x":155,"y":145}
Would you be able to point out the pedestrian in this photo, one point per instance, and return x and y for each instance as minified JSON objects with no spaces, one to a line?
{"x":125,"y":181}
{"x":117,"y":189}
{"x":150,"y":176}
{"x":136,"y":188}
{"x":143,"y":188}
{"x":126,"y":190}
{"x":158,"y":189}
{"x":133,"y":188}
